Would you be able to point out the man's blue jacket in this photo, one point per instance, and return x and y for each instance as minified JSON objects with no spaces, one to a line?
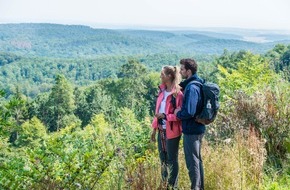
{"x":192,"y":104}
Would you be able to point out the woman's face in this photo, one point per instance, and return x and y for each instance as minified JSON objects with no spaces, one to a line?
{"x":164,"y":78}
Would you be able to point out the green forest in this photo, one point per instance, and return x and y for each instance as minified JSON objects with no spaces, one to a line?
{"x":76,"y":106}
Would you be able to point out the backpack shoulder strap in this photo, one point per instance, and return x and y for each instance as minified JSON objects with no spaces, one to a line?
{"x":197,"y":83}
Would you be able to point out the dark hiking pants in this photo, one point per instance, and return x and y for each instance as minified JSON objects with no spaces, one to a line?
{"x":169,"y":160}
{"x":192,"y":146}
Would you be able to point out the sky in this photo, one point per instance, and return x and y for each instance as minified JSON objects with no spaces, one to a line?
{"x":251,"y":14}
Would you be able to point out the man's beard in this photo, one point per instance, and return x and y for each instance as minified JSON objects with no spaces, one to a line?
{"x":184,"y":77}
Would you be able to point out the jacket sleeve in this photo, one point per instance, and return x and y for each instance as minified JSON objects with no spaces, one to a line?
{"x":188,"y":108}
{"x":172,"y":116}
{"x":154,"y":123}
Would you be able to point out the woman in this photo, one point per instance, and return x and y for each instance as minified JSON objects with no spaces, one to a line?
{"x":168,"y":126}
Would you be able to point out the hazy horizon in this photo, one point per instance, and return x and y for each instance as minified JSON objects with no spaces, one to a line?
{"x":158,"y":28}
{"x":149,"y":14}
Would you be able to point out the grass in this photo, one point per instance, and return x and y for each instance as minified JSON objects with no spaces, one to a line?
{"x":234,"y":164}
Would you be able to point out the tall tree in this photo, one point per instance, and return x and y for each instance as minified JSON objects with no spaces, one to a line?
{"x":285,"y":64}
{"x":279,"y":58}
{"x":92,"y":101}
{"x":17,"y":111}
{"x":61,"y":103}
{"x":130,"y":90}
{"x":132,"y":69}
{"x":4,"y":117}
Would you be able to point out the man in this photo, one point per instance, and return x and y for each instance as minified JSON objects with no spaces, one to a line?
{"x":192,"y":131}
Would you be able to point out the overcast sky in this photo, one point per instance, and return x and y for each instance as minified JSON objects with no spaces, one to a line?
{"x":255,"y":14}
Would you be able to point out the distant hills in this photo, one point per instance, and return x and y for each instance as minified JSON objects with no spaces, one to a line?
{"x":32,"y":54}
{"x":74,"y":41}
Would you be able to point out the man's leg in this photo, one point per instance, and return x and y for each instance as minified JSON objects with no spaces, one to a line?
{"x":201,"y":165}
{"x":192,"y":146}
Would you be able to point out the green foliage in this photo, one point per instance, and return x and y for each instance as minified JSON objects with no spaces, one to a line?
{"x":38,"y":108}
{"x":131,"y":90}
{"x":91,"y":101}
{"x":60,"y":104}
{"x":17,"y":107}
{"x":230,"y":60}
{"x":285,"y":64}
{"x":110,"y":148}
{"x":130,"y":130}
{"x":31,"y":132}
{"x":12,"y":114}
{"x":254,"y":98}
{"x":208,"y":71}
{"x":266,"y":111}
{"x":3,"y":113}
{"x":100,"y":125}
{"x":151,"y":84}
{"x":276,"y":180}
{"x":72,"y":157}
{"x":33,"y":76}
{"x":279,"y":57}
{"x":7,"y":58}
{"x":30,"y":59}
{"x":133,"y":69}
{"x":64,"y":160}
{"x":252,"y":73}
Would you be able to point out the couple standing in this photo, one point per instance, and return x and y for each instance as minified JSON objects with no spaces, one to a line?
{"x":175,"y":114}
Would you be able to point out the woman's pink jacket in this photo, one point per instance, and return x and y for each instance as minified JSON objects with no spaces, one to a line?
{"x":171,"y":120}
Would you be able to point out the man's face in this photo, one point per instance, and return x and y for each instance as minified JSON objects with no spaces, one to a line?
{"x":183,"y":72}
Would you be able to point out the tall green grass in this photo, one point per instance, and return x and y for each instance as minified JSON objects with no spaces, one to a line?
{"x":233,"y":164}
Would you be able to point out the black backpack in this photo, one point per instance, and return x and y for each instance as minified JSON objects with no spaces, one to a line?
{"x":210,"y":102}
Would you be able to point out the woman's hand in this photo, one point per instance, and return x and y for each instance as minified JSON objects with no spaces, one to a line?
{"x":153,"y":136}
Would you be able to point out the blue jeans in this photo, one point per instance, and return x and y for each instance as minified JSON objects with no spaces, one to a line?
{"x":169,"y":160}
{"x":192,"y":146}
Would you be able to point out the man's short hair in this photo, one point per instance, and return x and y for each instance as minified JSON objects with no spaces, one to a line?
{"x":189,"y":64}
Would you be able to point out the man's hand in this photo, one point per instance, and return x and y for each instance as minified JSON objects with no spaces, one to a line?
{"x":176,"y":110}
{"x":160,"y":116}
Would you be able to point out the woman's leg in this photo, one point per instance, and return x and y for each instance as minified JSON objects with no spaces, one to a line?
{"x":163,"y":159}
{"x":172,"y":152}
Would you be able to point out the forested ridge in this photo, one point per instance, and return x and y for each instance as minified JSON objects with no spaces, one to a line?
{"x":72,"y":41}
{"x":32,"y":54}
{"x":82,"y":120}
